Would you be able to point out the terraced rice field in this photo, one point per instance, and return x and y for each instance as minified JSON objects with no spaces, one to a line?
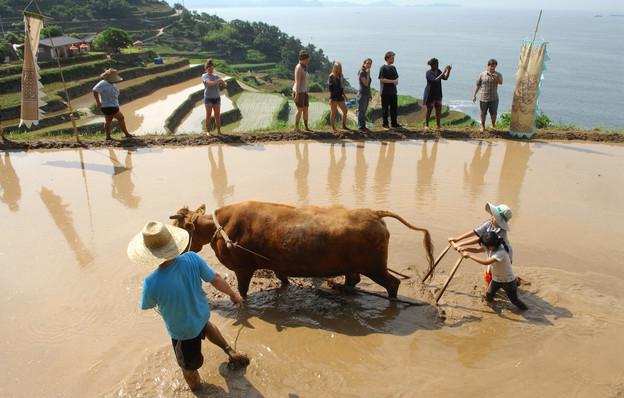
{"x":315,"y":113}
{"x":257,"y":109}
{"x":192,"y":123}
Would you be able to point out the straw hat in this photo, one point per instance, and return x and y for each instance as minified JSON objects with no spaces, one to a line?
{"x":111,"y":75}
{"x":502,"y":214}
{"x":157,"y":243}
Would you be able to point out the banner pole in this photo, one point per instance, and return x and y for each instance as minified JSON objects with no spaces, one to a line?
{"x":71,"y":110}
{"x":537,"y":26}
{"x":58,"y":63}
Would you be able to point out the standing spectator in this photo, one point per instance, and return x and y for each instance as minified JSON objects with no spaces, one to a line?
{"x":107,"y":99}
{"x":300,"y":90}
{"x":212,"y":95}
{"x":388,"y":79}
{"x":433,"y":92}
{"x":488,"y":81}
{"x":364,"y":94}
{"x":337,"y":96}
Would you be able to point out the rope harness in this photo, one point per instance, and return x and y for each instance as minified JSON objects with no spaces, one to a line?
{"x":229,"y":243}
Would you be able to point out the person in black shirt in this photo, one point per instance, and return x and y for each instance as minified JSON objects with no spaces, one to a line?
{"x":337,"y":96}
{"x":433,"y":91}
{"x":389,"y":78}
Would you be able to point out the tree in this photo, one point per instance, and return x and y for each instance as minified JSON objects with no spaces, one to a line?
{"x":112,"y":39}
{"x":6,"y":50}
{"x":51,"y":31}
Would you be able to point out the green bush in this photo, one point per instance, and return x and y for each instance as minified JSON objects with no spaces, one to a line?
{"x":541,"y":121}
{"x":315,"y":88}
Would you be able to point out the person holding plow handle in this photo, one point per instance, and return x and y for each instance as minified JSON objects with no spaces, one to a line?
{"x":498,"y":258}
{"x":497,"y":223}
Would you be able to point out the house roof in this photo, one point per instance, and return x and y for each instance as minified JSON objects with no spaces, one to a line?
{"x":60,"y":41}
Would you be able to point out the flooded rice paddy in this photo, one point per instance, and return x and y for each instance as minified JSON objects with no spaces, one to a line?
{"x":72,"y":326}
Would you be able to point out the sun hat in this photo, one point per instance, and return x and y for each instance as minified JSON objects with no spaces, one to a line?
{"x":157,"y":243}
{"x":502,"y":214}
{"x":111,"y":75}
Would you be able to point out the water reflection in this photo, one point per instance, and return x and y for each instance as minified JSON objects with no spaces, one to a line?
{"x":122,"y":185}
{"x":9,"y":183}
{"x":301,"y":172}
{"x":64,"y":221}
{"x":513,"y":171}
{"x":218,"y":174}
{"x":361,"y":169}
{"x":424,"y":173}
{"x":334,"y":172}
{"x":474,"y":176}
{"x":383,"y":172}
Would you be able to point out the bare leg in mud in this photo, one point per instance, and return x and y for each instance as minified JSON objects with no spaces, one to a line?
{"x":192,"y":379}
{"x":208,"y":114}
{"x":215,"y":337}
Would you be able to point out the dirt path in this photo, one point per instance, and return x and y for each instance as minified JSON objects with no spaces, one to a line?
{"x":273,"y":136}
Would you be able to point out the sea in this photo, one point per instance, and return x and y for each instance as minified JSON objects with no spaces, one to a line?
{"x":583,"y":81}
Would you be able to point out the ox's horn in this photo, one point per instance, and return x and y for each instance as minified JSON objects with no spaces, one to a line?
{"x":178,"y":217}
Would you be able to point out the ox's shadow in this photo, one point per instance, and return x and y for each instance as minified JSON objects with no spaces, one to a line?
{"x":349,"y":314}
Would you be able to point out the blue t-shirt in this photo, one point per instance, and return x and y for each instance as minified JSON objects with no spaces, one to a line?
{"x":109,"y":94}
{"x":177,"y":291}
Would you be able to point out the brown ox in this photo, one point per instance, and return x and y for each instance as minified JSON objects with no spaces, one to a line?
{"x":307,"y":241}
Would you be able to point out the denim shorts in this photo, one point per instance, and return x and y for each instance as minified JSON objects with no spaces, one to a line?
{"x":212,"y":101}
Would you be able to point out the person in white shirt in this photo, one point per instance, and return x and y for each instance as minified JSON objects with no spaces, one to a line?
{"x":498,"y":258}
{"x":106,"y":96}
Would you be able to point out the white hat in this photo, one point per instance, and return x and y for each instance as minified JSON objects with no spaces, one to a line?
{"x":157,"y":243}
{"x":502,"y":214}
{"x":112,"y":75}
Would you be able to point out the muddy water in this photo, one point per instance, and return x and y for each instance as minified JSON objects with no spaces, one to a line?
{"x":69,"y":297}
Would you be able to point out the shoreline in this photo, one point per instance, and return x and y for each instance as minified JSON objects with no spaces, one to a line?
{"x":95,"y":141}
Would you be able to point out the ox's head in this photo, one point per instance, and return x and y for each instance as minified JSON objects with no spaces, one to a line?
{"x":199,"y":226}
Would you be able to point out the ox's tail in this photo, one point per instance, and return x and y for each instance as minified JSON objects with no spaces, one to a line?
{"x":426,"y":240}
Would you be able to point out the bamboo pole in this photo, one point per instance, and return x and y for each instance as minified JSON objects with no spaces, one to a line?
{"x":537,"y":26}
{"x":58,"y":64}
{"x":71,"y":110}
{"x":448,"y":280}
{"x":435,"y":263}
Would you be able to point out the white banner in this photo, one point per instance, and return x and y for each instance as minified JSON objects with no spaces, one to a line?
{"x":32,"y":89}
{"x":528,"y":77}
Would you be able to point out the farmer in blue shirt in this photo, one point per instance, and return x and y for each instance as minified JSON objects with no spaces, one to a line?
{"x":176,"y":288}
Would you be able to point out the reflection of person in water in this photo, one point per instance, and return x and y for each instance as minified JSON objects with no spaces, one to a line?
{"x":383,"y":171}
{"x":218,"y":174}
{"x":424,"y":171}
{"x":361,"y":169}
{"x":9,"y":184}
{"x":63,"y":219}
{"x":474,"y":176}
{"x":122,"y":185}
{"x":334,"y":172}
{"x":302,"y":171}
{"x":513,"y":171}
